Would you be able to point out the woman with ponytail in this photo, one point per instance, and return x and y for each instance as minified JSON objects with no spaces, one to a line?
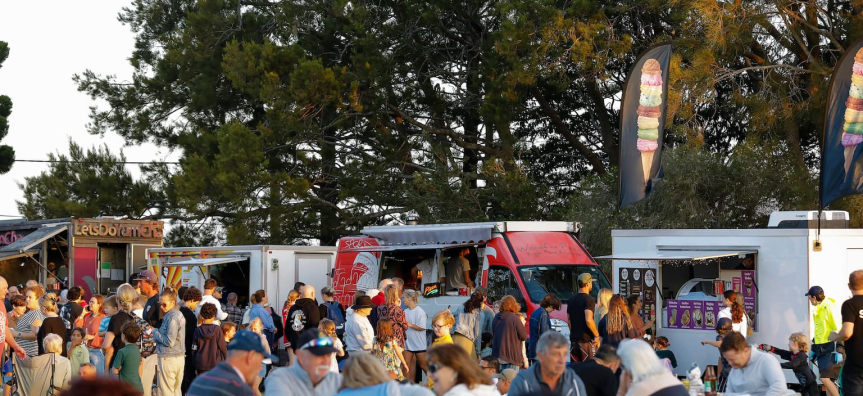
{"x":113,"y":342}
{"x":734,"y":310}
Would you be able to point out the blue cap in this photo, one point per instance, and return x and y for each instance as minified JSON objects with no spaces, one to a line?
{"x":814,"y":291}
{"x":246,"y":340}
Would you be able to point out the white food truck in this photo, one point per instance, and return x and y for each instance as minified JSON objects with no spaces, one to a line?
{"x":681,"y":275}
{"x":245,"y":269}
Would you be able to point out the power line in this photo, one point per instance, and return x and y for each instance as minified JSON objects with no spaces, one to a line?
{"x":82,"y":162}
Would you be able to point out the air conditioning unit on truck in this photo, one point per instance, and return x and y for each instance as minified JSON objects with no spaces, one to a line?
{"x":527,"y":260}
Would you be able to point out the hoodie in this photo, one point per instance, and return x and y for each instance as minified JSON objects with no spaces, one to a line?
{"x":527,"y":383}
{"x":209,"y":346}
{"x":478,"y":390}
{"x":761,"y":376}
{"x":303,"y":315}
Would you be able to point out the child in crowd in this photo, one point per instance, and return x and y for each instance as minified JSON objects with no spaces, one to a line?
{"x":78,"y":353}
{"x":209,"y":344}
{"x":229,"y":329}
{"x":487,"y":338}
{"x":87,"y":371}
{"x":329,"y":328}
{"x":663,"y":352}
{"x":387,"y":349}
{"x":798,"y":362}
{"x":723,"y":327}
{"x":111,"y":309}
{"x":257,"y":326}
{"x":127,"y":364}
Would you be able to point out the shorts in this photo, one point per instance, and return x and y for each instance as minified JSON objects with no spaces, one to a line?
{"x":422,"y":351}
{"x":824,"y":358}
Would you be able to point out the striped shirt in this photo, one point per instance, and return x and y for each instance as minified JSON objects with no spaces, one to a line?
{"x":25,"y":325}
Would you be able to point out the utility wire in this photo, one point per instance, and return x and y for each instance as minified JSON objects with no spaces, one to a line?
{"x":116,"y":162}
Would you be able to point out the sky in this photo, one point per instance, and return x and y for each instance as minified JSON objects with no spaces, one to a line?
{"x":49,"y":42}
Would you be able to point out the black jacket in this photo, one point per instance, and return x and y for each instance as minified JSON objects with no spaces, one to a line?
{"x":210,"y":347}
{"x":799,"y":364}
{"x":304,"y":315}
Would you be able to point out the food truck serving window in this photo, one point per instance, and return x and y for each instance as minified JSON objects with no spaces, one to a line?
{"x":559,"y":280}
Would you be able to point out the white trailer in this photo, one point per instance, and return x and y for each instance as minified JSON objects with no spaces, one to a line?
{"x":783,"y":265}
{"x":245,"y":269}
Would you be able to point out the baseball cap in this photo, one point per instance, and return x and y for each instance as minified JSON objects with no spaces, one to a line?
{"x":814,"y":291}
{"x":246,"y":340}
{"x":586,"y":278}
{"x":316,"y":342}
{"x":507,"y":374}
{"x":148,"y":275}
{"x":220,"y":288}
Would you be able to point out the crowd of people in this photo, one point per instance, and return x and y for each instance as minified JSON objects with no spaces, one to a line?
{"x":143,"y":340}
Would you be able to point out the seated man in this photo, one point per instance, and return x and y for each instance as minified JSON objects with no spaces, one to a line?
{"x":752,"y":371}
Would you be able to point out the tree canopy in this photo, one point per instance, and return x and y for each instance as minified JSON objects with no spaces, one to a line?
{"x":7,"y":153}
{"x":308,"y":119}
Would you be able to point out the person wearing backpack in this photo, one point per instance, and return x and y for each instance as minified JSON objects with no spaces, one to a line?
{"x":333,"y":310}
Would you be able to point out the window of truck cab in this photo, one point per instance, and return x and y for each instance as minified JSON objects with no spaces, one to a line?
{"x":559,"y":280}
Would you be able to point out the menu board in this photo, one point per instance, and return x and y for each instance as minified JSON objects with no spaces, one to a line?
{"x":749,"y":307}
{"x":749,"y":300}
{"x":697,"y":322}
{"x":640,"y":281}
{"x":672,"y":312}
{"x":711,"y":314}
{"x":736,"y":284}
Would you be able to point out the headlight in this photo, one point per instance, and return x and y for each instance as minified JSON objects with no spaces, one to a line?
{"x":560,"y":326}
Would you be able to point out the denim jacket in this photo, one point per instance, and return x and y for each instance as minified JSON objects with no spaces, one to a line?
{"x":468,"y":325}
{"x":171,"y":337}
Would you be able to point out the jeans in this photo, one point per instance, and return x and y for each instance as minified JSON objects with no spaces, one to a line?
{"x":171,"y":375}
{"x":97,"y":358}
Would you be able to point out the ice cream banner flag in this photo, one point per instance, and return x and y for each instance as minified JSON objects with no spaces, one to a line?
{"x":642,"y":117}
{"x":841,"y":158}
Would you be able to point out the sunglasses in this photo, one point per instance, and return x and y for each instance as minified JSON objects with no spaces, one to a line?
{"x":437,"y":326}
{"x":433,"y":367}
{"x":319,"y":342}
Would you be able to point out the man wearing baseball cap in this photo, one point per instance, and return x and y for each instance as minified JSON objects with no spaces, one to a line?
{"x":312,"y":375}
{"x":233,"y":376}
{"x":826,"y":319}
{"x":583,"y":336}
{"x":148,"y":284}
{"x":504,"y":380}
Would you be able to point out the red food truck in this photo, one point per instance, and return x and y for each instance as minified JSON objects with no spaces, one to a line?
{"x":525,"y":259}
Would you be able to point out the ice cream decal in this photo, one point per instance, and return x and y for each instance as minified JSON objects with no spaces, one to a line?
{"x":852,"y":131}
{"x":649,"y":112}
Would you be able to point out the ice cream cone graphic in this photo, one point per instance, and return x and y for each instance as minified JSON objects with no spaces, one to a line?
{"x":852,"y":131}
{"x":649,"y":111}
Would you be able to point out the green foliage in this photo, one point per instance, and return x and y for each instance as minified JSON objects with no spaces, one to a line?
{"x":7,"y":153}
{"x":86,"y":184}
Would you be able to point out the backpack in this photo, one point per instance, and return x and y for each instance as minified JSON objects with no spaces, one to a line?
{"x":334,"y":313}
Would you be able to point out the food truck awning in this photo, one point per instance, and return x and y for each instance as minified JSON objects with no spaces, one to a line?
{"x":32,"y":239}
{"x":204,"y":262}
{"x":430,"y":246}
{"x":13,"y":255}
{"x":432,"y":234}
{"x":661,"y":254}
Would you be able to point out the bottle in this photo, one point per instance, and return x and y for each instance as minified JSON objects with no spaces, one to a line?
{"x":710,"y":382}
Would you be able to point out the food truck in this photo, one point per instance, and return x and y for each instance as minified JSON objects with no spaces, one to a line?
{"x":525,"y":259}
{"x":682,"y":274}
{"x":245,"y":269}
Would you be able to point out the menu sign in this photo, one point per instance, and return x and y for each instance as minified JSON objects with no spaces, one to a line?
{"x":685,"y":312}
{"x":736,"y":283}
{"x":748,"y":285}
{"x":697,"y":315}
{"x":640,"y":281}
{"x":672,"y":311}
{"x":749,"y":307}
{"x":711,"y":314}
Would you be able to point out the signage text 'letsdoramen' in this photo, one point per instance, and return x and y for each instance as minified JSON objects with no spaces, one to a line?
{"x":118,"y":230}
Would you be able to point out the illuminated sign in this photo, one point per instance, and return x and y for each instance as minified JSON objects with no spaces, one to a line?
{"x":109,"y":229}
{"x":9,"y":237}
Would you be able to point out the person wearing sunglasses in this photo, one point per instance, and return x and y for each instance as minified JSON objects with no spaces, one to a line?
{"x":455,"y":374}
{"x":311,"y":375}
{"x":170,"y":341}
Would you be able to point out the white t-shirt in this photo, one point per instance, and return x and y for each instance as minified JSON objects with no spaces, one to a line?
{"x":742,"y":327}
{"x":334,"y":364}
{"x":416,"y":340}
{"x":455,"y":269}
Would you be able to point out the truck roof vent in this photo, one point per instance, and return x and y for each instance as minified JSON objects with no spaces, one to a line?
{"x":809,"y":219}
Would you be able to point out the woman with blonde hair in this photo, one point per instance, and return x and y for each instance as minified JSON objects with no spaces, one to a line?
{"x":363,"y":374}
{"x":616,"y":326}
{"x":509,"y":335}
{"x":52,"y":324}
{"x":415,"y":341}
{"x":456,"y":374}
{"x":391,"y":309}
{"x":28,"y":325}
{"x":257,"y":327}
{"x":602,"y":300}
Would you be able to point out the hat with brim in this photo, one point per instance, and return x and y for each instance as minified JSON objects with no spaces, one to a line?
{"x":316,"y":342}
{"x":362,"y":302}
{"x":246,"y":340}
{"x":507,"y":374}
{"x":814,"y":291}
